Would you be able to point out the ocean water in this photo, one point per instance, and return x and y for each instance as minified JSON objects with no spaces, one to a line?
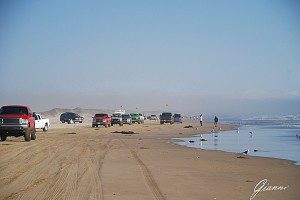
{"x":275,"y":139}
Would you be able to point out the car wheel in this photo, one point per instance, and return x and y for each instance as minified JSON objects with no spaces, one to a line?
{"x":27,"y":136}
{"x":3,"y":137}
{"x":33,"y":136}
{"x":45,"y":128}
{"x":121,"y":124}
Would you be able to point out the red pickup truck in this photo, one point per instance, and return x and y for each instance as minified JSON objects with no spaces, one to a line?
{"x":101,"y":119}
{"x":17,"y":121}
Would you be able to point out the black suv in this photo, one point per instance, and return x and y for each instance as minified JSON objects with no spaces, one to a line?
{"x":166,"y":117}
{"x":70,"y":117}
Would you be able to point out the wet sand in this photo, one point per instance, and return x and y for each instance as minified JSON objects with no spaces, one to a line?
{"x":81,"y":162}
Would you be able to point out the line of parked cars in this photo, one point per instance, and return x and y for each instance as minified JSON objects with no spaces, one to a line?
{"x":118,"y":117}
{"x":19,"y":120}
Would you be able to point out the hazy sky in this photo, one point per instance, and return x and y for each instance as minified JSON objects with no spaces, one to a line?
{"x":215,"y":57}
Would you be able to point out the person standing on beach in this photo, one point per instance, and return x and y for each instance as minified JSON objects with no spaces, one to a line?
{"x":201,"y":119}
{"x":216,"y":121}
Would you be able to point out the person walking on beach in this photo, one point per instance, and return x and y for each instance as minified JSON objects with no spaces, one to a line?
{"x":201,"y":119}
{"x":216,"y":121}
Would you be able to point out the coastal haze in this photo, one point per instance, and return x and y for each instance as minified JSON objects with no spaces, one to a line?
{"x":227,"y":58}
{"x":235,"y":62}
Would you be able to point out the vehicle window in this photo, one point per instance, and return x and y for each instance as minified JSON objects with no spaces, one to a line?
{"x":14,"y":111}
{"x":101,"y":115}
{"x":167,"y":114}
{"x":116,"y":115}
{"x":177,"y":115}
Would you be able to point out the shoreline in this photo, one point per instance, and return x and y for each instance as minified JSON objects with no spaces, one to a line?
{"x":180,"y":139}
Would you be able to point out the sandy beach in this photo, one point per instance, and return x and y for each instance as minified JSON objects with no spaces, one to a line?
{"x":81,"y":162}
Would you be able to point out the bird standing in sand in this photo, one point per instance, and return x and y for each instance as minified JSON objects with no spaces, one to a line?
{"x":246,"y":152}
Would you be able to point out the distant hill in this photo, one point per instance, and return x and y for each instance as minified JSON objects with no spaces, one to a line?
{"x":54,"y":114}
{"x":80,"y":111}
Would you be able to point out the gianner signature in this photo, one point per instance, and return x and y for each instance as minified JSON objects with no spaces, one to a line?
{"x":264,"y":186}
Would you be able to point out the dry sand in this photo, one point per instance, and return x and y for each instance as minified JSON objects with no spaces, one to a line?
{"x":92,"y":163}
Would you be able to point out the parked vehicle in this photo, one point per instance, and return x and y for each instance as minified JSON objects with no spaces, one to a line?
{"x":41,"y":123}
{"x":101,"y":119}
{"x":177,"y":118}
{"x":153,"y":117}
{"x":126,"y":118}
{"x":166,"y":117}
{"x":17,"y":121}
{"x":137,"y":118}
{"x":116,"y":117}
{"x":142,"y":117}
{"x":71,"y":118}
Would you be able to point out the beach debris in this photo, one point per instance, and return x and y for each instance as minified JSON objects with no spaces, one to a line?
{"x":249,"y":181}
{"x":125,"y":132}
{"x":240,"y":157}
{"x":96,"y":129}
{"x":189,"y":126}
{"x":144,"y":148}
{"x":72,"y":133}
{"x":180,"y":133}
{"x":202,"y":139}
{"x":191,"y":141}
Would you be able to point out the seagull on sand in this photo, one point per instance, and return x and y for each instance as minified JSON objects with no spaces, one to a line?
{"x":246,"y":152}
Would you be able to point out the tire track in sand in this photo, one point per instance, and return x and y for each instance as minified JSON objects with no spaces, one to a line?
{"x":147,"y":175}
